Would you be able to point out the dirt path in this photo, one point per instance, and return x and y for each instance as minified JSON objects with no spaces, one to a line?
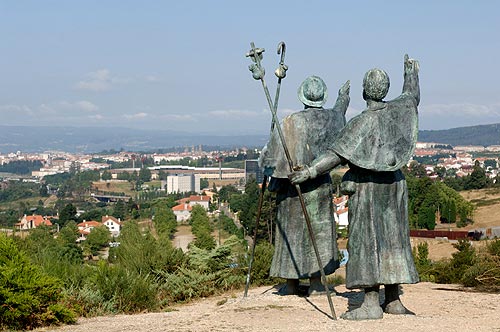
{"x":183,"y":237}
{"x":437,"y":308}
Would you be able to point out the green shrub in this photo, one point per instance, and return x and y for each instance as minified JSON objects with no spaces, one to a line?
{"x":143,"y":254}
{"x":484,"y":274}
{"x":493,"y":247}
{"x":89,"y":301}
{"x":29,"y":297}
{"x":485,"y":270}
{"x":262,"y":264}
{"x":187,"y":284}
{"x":207,"y":272}
{"x":58,"y":258}
{"x":229,"y":226}
{"x":204,"y":240}
{"x":422,"y":261}
{"x":129,"y":291}
{"x":463,"y":259}
{"x":471,"y":268}
{"x":454,"y":269}
{"x":115,"y":289}
{"x":97,"y":239}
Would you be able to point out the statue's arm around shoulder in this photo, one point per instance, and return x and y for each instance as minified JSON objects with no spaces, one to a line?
{"x":411,"y":85}
{"x":320,"y":165}
{"x":343,"y":98}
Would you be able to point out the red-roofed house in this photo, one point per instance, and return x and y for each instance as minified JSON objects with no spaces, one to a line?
{"x":182,"y":211}
{"x":34,"y":221}
{"x":196,"y":199}
{"x":114,"y":225}
{"x":85,"y":227}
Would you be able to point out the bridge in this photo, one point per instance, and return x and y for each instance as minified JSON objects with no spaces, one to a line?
{"x":109,"y":198}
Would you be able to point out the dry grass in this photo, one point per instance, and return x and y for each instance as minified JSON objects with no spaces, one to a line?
{"x":487,"y":214}
{"x":115,"y":186}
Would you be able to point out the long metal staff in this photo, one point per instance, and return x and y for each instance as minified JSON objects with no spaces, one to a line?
{"x":258,"y":73}
{"x":280,"y":73}
{"x":257,"y":221}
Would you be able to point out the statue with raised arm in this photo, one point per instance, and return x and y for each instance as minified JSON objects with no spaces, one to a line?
{"x":376,"y":144}
{"x":308,"y":134}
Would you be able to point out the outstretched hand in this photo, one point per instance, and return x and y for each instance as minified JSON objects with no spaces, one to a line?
{"x":411,"y":65}
{"x":345,"y":89}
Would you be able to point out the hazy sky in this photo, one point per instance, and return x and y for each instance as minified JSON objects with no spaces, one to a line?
{"x":181,"y":65}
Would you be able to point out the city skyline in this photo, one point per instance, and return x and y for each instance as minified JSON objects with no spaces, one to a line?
{"x":182,"y":66}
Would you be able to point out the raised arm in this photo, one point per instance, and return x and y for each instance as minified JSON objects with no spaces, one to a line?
{"x":411,"y":86}
{"x":343,"y":98}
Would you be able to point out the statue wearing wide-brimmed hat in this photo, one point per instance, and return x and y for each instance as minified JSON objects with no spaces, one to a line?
{"x":308,"y":134}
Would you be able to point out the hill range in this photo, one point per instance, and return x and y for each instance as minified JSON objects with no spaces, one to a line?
{"x":484,"y":135}
{"x":96,"y":139}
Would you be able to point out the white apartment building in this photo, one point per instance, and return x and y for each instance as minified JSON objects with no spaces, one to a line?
{"x":181,"y":183}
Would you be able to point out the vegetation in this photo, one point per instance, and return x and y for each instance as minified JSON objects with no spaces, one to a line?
{"x":29,"y":296}
{"x":201,"y":228}
{"x":165,"y":222}
{"x":21,"y":166}
{"x":246,"y":206}
{"x":97,"y":239}
{"x":468,"y":266}
{"x":428,"y":198}
{"x":227,"y":224}
{"x":145,"y":272}
{"x":16,"y":190}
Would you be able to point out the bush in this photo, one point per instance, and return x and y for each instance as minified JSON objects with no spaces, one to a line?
{"x":207,"y":272}
{"x":461,"y":260}
{"x":484,"y":274}
{"x":471,"y":268}
{"x":165,"y":222}
{"x":493,"y":247}
{"x":128,"y":291}
{"x":453,"y":270}
{"x":98,"y":238}
{"x":422,"y":261}
{"x":144,"y":254}
{"x":204,"y":240}
{"x":262,"y":264}
{"x":186,"y":284}
{"x":29,"y":297}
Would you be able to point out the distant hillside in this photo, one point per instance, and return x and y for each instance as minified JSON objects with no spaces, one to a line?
{"x":484,"y":135}
{"x":96,"y":139}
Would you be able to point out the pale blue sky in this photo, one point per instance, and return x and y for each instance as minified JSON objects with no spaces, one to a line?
{"x":180,"y":65}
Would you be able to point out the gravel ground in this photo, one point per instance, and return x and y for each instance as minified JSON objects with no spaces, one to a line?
{"x":437,"y":308}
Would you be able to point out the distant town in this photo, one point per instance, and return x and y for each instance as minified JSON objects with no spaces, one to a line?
{"x":207,"y":165}
{"x":197,"y":175}
{"x":458,"y":160}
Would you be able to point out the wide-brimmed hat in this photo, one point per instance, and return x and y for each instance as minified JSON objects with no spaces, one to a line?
{"x":313,"y":92}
